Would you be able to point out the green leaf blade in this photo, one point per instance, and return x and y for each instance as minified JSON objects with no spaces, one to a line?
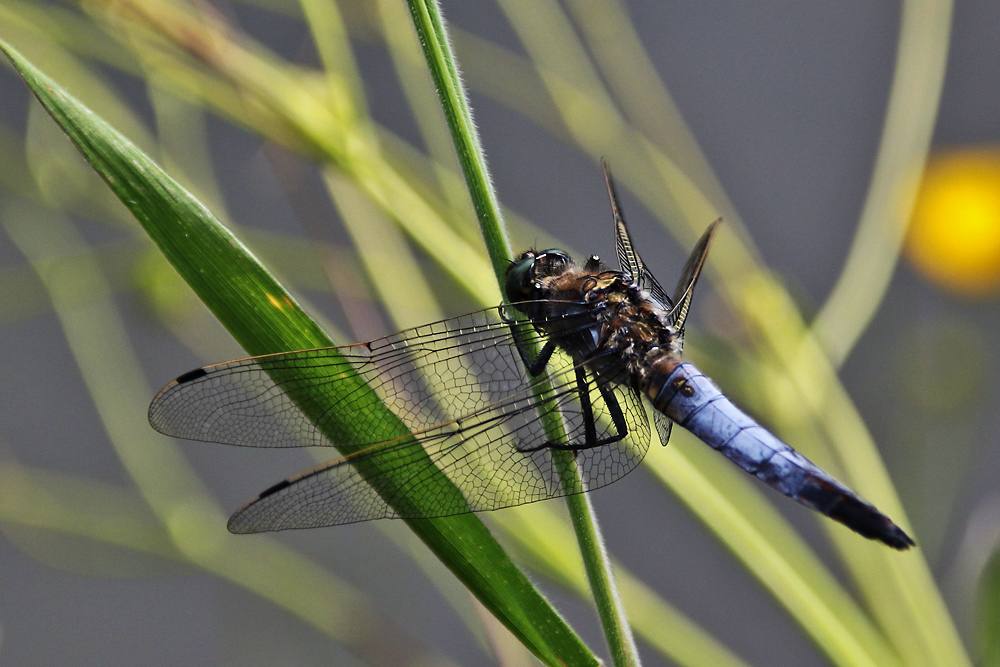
{"x":264,"y":318}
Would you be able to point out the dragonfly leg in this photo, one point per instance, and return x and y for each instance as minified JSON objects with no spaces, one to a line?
{"x":589,"y":424}
{"x":536,"y":366}
{"x":615,"y":409}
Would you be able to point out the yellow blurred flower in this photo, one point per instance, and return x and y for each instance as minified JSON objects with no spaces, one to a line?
{"x":954,"y":236}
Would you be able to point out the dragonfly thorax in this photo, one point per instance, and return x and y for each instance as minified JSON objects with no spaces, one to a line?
{"x":600,"y":317}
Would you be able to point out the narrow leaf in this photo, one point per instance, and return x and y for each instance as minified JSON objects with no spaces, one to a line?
{"x":264,"y":318}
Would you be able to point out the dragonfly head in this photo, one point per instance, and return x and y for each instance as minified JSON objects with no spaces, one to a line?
{"x":524,"y":276}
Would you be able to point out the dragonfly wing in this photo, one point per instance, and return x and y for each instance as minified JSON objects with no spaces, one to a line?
{"x":682,"y":304}
{"x":425,"y":375}
{"x":629,"y":260}
{"x":239,"y":403}
{"x":689,"y":277}
{"x":458,"y":385}
{"x":331,"y":494}
{"x":663,"y":426}
{"x":483,"y":454}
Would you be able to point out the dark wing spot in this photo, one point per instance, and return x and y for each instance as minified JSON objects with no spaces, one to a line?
{"x":191,"y":375}
{"x":274,"y":489}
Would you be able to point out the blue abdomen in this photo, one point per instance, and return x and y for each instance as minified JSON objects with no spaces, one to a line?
{"x":693,"y":401}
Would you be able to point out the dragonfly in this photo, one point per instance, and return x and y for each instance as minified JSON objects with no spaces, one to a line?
{"x":538,"y":398}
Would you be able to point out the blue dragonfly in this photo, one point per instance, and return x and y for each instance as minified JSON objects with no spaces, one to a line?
{"x":479,"y":407}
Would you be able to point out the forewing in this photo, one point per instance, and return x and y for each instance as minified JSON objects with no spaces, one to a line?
{"x":427,"y":375}
{"x":629,"y":260}
{"x":689,"y":277}
{"x":459,"y":386}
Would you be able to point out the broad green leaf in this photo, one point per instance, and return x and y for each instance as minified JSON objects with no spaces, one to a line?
{"x":264,"y":318}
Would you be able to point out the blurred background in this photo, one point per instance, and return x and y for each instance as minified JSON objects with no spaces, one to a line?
{"x":774,"y":117}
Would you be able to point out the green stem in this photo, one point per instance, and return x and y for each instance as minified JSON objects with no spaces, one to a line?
{"x":602,"y":581}
{"x":440,"y":60}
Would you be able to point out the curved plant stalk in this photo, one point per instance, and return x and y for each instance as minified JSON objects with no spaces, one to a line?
{"x":33,"y":499}
{"x":909,"y":123}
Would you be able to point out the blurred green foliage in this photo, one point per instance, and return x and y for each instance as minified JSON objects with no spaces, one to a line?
{"x":584,"y":78}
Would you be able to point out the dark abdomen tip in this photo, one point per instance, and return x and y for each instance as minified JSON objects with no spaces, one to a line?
{"x":865,"y":520}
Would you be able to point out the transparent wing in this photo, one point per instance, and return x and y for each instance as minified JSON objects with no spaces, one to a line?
{"x":689,"y":278}
{"x":628,"y":258}
{"x":663,"y":426}
{"x":631,"y":263}
{"x":460,"y":387}
{"x":682,"y":304}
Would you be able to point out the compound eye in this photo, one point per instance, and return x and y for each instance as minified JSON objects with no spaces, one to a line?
{"x":520,"y":275}
{"x":555,"y":254}
{"x":555,"y":261}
